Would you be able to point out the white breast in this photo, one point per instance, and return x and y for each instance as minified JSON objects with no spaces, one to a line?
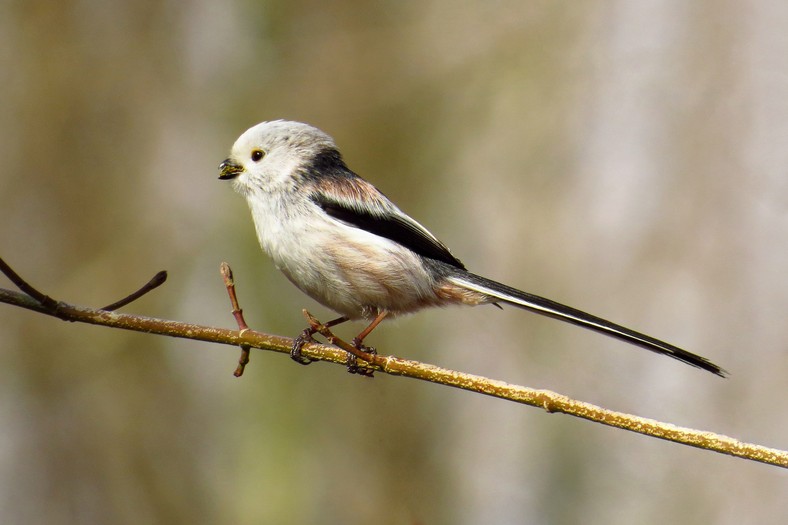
{"x":347,"y":269}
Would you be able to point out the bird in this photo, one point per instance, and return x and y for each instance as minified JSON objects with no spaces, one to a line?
{"x":342,"y":242}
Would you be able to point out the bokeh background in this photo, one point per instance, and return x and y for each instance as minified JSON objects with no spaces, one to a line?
{"x":627,"y":157}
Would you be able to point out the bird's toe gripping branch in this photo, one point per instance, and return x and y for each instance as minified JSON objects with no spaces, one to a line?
{"x":356,"y":351}
{"x":300,"y":341}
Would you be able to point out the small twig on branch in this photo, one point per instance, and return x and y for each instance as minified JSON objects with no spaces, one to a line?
{"x":154,"y":283}
{"x":44,"y":300}
{"x":545,"y":399}
{"x":238,"y":313}
{"x":53,"y":306}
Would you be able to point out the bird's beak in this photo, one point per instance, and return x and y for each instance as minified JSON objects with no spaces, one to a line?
{"x":229,"y":170}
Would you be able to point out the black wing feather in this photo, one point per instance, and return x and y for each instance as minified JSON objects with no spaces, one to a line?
{"x":389,"y":226}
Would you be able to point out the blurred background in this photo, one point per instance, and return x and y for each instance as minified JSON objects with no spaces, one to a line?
{"x":626,"y":157}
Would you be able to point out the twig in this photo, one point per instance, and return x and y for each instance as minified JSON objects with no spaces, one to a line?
{"x":53,"y":306}
{"x":156,"y":281}
{"x":23,"y":285}
{"x":238,"y":313}
{"x":545,"y":399}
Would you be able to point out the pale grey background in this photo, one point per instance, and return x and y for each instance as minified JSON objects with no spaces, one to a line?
{"x":628,"y":158}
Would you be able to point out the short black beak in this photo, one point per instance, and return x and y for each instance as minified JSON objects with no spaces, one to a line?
{"x":229,"y":170}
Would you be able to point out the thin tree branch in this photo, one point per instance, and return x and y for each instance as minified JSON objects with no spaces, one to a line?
{"x":156,"y":281}
{"x":238,"y":313}
{"x":549,"y":401}
{"x":23,"y":285}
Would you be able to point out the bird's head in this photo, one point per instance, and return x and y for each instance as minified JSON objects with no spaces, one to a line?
{"x":272,"y":155}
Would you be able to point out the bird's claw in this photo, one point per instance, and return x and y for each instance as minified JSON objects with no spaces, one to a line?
{"x":301,"y":340}
{"x":352,"y":360}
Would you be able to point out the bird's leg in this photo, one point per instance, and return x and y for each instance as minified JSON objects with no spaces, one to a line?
{"x":358,"y":343}
{"x":306,"y":337}
{"x":359,"y":339}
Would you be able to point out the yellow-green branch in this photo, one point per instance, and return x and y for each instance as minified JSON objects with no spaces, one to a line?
{"x":545,"y":399}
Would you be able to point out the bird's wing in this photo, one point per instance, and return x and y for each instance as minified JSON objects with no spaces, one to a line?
{"x":355,"y":202}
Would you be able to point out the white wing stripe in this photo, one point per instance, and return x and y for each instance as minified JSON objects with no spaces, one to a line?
{"x":527,"y":304}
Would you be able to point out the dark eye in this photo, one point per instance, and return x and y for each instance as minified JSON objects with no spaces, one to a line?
{"x":257,"y":155}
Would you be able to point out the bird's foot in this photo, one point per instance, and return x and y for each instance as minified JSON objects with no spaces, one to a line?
{"x":301,"y":340}
{"x":352,"y":359}
{"x":355,"y":351}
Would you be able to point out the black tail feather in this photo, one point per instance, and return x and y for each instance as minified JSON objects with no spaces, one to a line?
{"x":543,"y":306}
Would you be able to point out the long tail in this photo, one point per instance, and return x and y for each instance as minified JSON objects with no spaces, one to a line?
{"x":556,"y":310}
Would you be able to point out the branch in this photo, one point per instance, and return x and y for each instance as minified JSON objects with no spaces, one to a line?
{"x":238,"y":313}
{"x":550,"y":401}
{"x":155,"y":282}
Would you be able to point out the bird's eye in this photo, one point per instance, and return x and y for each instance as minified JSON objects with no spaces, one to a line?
{"x":257,"y":155}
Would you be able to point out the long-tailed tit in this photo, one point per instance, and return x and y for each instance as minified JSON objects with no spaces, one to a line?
{"x":343,"y":243}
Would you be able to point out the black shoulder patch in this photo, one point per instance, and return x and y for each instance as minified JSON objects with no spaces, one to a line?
{"x":327,"y":163}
